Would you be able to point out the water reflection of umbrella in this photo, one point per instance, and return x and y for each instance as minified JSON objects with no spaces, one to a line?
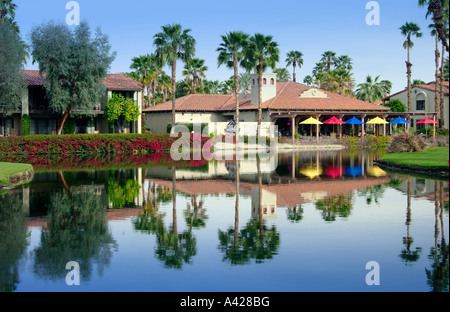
{"x":376,"y":171}
{"x":334,"y":121}
{"x":312,"y":171}
{"x":334,"y":171}
{"x":354,"y":171}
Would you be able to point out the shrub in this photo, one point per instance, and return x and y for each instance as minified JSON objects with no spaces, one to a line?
{"x":442,"y":131}
{"x":26,"y":125}
{"x":406,"y":143}
{"x":69,"y":126}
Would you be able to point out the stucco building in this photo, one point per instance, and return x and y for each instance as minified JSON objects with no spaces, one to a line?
{"x":423,"y":102}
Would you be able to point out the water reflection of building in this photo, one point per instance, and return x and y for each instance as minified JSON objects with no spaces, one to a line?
{"x":419,"y":187}
{"x":268,"y":204}
{"x":106,"y":185}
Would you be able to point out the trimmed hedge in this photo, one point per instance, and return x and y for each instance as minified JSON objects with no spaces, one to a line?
{"x":26,"y":125}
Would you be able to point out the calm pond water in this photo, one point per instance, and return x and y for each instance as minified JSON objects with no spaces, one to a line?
{"x":313,"y":222}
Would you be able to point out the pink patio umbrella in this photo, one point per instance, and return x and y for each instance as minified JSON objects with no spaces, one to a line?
{"x":334,"y":171}
{"x":334,"y":121}
{"x":426,"y":121}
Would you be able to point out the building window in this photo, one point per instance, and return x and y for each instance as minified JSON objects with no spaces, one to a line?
{"x":264,"y":81}
{"x":420,"y":105}
{"x":43,"y":126}
{"x":272,"y":81}
{"x":253,"y":81}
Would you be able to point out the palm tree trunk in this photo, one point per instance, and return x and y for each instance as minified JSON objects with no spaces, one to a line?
{"x":436,"y":92}
{"x":174,"y":71}
{"x":148,"y":95}
{"x":236,"y":90}
{"x":260,"y":74}
{"x":293,"y":74}
{"x":236,"y":214}
{"x":174,"y":192}
{"x":408,"y":73}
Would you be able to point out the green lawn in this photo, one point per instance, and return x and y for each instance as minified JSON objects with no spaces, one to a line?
{"x":10,"y":169}
{"x":432,"y":157}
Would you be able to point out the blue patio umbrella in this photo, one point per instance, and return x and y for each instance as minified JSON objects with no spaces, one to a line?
{"x":354,"y":121}
{"x":399,"y":121}
{"x":354,"y":171}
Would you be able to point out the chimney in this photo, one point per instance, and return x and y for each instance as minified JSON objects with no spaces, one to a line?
{"x":269,"y":87}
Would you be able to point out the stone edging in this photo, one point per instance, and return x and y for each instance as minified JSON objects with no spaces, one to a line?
{"x":436,"y":172}
{"x":20,"y":178}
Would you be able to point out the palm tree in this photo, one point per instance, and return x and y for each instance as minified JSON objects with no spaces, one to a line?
{"x":172,"y":44}
{"x":439,"y":10}
{"x":344,"y":62}
{"x":261,"y":52}
{"x":328,"y":59}
{"x":408,"y":30}
{"x":231,"y":53}
{"x":294,"y":58}
{"x":7,"y":7}
{"x":343,"y":81}
{"x":371,"y":90}
{"x":308,"y":80}
{"x":244,"y":81}
{"x":387,"y":85}
{"x":141,"y":66}
{"x":194,"y":70}
{"x":282,"y":74}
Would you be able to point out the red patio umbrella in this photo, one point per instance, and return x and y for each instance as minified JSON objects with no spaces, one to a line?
{"x":334,"y":121}
{"x":426,"y":121}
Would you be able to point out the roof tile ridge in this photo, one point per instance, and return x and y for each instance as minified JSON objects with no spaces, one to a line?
{"x":281,"y":91}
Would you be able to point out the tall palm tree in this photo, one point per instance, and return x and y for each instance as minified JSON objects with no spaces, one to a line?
{"x":409,"y":30}
{"x":371,"y":90}
{"x":141,"y":67}
{"x":344,"y":62}
{"x":283,"y":74}
{"x":261,"y":52}
{"x":173,"y":44}
{"x":328,"y":59}
{"x":294,"y":58}
{"x":343,"y":81}
{"x":194,"y":70}
{"x":231,"y":53}
{"x":387,"y":85}
{"x":7,"y":7}
{"x":439,"y":10}
{"x":308,"y":80}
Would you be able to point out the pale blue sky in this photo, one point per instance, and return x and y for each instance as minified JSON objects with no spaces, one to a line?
{"x":308,"y":26}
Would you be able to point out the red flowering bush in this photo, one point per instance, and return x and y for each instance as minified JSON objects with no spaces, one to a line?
{"x":98,"y":144}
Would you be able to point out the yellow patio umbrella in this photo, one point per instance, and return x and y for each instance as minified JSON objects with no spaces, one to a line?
{"x":311,"y":121}
{"x":376,"y":171}
{"x":377,"y":121}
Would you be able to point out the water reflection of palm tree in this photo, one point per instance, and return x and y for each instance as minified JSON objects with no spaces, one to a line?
{"x":255,"y":241}
{"x":332,"y":207}
{"x":175,"y":249}
{"x":13,"y":240}
{"x":407,"y":255}
{"x":196,"y":219}
{"x":76,"y":230}
{"x":150,"y":221}
{"x":438,"y":275}
{"x":295,"y":214}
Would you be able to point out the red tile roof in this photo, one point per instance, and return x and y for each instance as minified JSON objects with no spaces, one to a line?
{"x":118,"y":82}
{"x":430,"y":87}
{"x":287,"y":98}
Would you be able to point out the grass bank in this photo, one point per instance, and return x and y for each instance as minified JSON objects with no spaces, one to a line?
{"x":433,"y":163}
{"x":8,"y":170}
{"x":432,"y":157}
